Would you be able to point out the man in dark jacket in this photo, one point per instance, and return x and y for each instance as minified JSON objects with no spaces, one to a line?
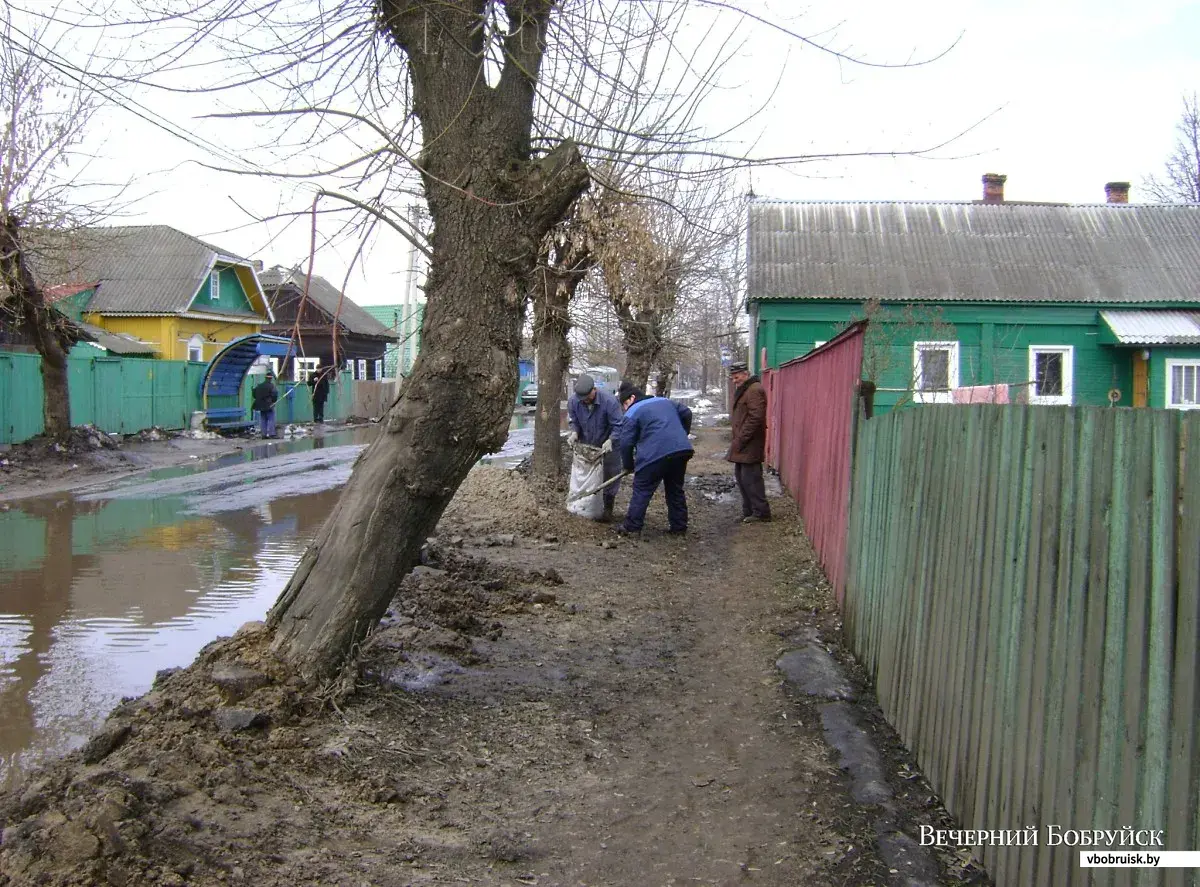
{"x":320,"y":393}
{"x":265,"y":395}
{"x":594,"y":417}
{"x":655,"y":447}
{"x":748,"y":448}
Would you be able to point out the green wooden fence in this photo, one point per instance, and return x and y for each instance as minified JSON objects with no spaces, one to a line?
{"x":1024,"y":587}
{"x":127,"y":395}
{"x":20,"y":396}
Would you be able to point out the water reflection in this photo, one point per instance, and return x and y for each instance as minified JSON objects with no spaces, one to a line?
{"x":97,"y":595}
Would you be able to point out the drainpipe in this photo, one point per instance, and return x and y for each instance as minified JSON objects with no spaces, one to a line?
{"x":752,"y":337}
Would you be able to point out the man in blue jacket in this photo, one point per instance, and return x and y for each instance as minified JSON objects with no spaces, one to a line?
{"x":655,"y":447}
{"x":594,"y":417}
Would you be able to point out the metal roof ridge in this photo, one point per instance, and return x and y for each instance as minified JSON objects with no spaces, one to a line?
{"x":785,"y":201}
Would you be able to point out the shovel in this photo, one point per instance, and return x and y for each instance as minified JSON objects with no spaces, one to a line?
{"x":583,"y":494}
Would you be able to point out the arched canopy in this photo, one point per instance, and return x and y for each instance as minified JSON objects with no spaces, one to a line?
{"x":229,"y":366}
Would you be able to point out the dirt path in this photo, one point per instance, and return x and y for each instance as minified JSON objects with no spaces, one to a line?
{"x":544,"y":705}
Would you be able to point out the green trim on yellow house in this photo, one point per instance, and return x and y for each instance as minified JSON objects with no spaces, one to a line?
{"x":230,"y":291}
{"x":73,"y":306}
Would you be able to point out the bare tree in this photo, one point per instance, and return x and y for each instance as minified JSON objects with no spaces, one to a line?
{"x":595,"y":335}
{"x":670,"y":233}
{"x":484,"y":185}
{"x":1180,"y":179}
{"x":706,"y":325}
{"x":642,"y":281}
{"x":566,"y":259}
{"x":45,"y":120}
{"x":706,"y":308}
{"x":392,"y":94}
{"x":632,"y":107}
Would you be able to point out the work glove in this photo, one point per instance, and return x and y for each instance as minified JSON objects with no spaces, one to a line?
{"x":571,"y":438}
{"x":606,"y":448}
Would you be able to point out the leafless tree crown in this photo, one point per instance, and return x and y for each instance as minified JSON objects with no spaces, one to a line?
{"x":1179,"y":181}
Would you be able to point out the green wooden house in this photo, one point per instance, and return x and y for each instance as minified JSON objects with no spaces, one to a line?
{"x":1064,"y":304}
{"x":404,"y":323}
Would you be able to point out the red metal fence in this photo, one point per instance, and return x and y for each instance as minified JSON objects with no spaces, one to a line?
{"x":811,"y":403}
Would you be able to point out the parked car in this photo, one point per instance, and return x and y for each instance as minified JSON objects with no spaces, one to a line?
{"x":529,"y":395}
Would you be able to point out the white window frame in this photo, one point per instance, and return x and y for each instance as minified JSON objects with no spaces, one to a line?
{"x":378,"y":369}
{"x":214,"y":286}
{"x":362,"y":369}
{"x":304,"y":368}
{"x":1170,"y":365}
{"x":1068,"y":395}
{"x":274,"y":362}
{"x":195,"y":346}
{"x":952,"y":372}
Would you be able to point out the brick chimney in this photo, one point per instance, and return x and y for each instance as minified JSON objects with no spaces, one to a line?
{"x":993,"y":187}
{"x":1117,"y":192}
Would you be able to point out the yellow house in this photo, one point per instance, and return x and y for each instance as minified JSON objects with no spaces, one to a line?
{"x":183,"y":297}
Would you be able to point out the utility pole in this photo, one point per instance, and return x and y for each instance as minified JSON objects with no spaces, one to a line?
{"x":408,"y":306}
{"x":410,"y":292}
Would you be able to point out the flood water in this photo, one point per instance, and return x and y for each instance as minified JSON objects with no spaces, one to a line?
{"x":520,"y":438}
{"x":99,"y":590}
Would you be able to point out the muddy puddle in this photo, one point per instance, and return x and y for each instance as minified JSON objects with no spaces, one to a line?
{"x":102,"y":588}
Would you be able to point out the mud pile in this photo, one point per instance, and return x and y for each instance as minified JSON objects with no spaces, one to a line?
{"x":497,"y":500}
{"x":82,"y":440}
{"x":84,"y":449}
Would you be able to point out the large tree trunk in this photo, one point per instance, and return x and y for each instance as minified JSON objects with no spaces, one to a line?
{"x":565,"y":262}
{"x":491,"y":206}
{"x":49,"y":330}
{"x":553,"y":356}
{"x":666,"y":375}
{"x":56,"y":393}
{"x":640,"y":333}
{"x":637,"y":368}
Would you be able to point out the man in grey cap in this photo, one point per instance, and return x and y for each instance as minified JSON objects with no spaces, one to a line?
{"x":594,"y":417}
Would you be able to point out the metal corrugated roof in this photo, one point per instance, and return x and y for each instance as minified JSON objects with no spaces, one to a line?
{"x":143,"y":269}
{"x":1007,"y":252}
{"x":326,"y":296}
{"x":387,"y":315}
{"x":1148,"y":327}
{"x":117,"y":343}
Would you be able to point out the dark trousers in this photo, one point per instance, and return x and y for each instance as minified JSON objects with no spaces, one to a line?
{"x":749,"y":479}
{"x":669,"y":471}
{"x":266,"y":421}
{"x":612,"y":467}
{"x":318,"y":411}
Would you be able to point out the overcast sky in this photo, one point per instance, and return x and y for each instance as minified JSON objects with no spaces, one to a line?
{"x":1059,"y":95}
